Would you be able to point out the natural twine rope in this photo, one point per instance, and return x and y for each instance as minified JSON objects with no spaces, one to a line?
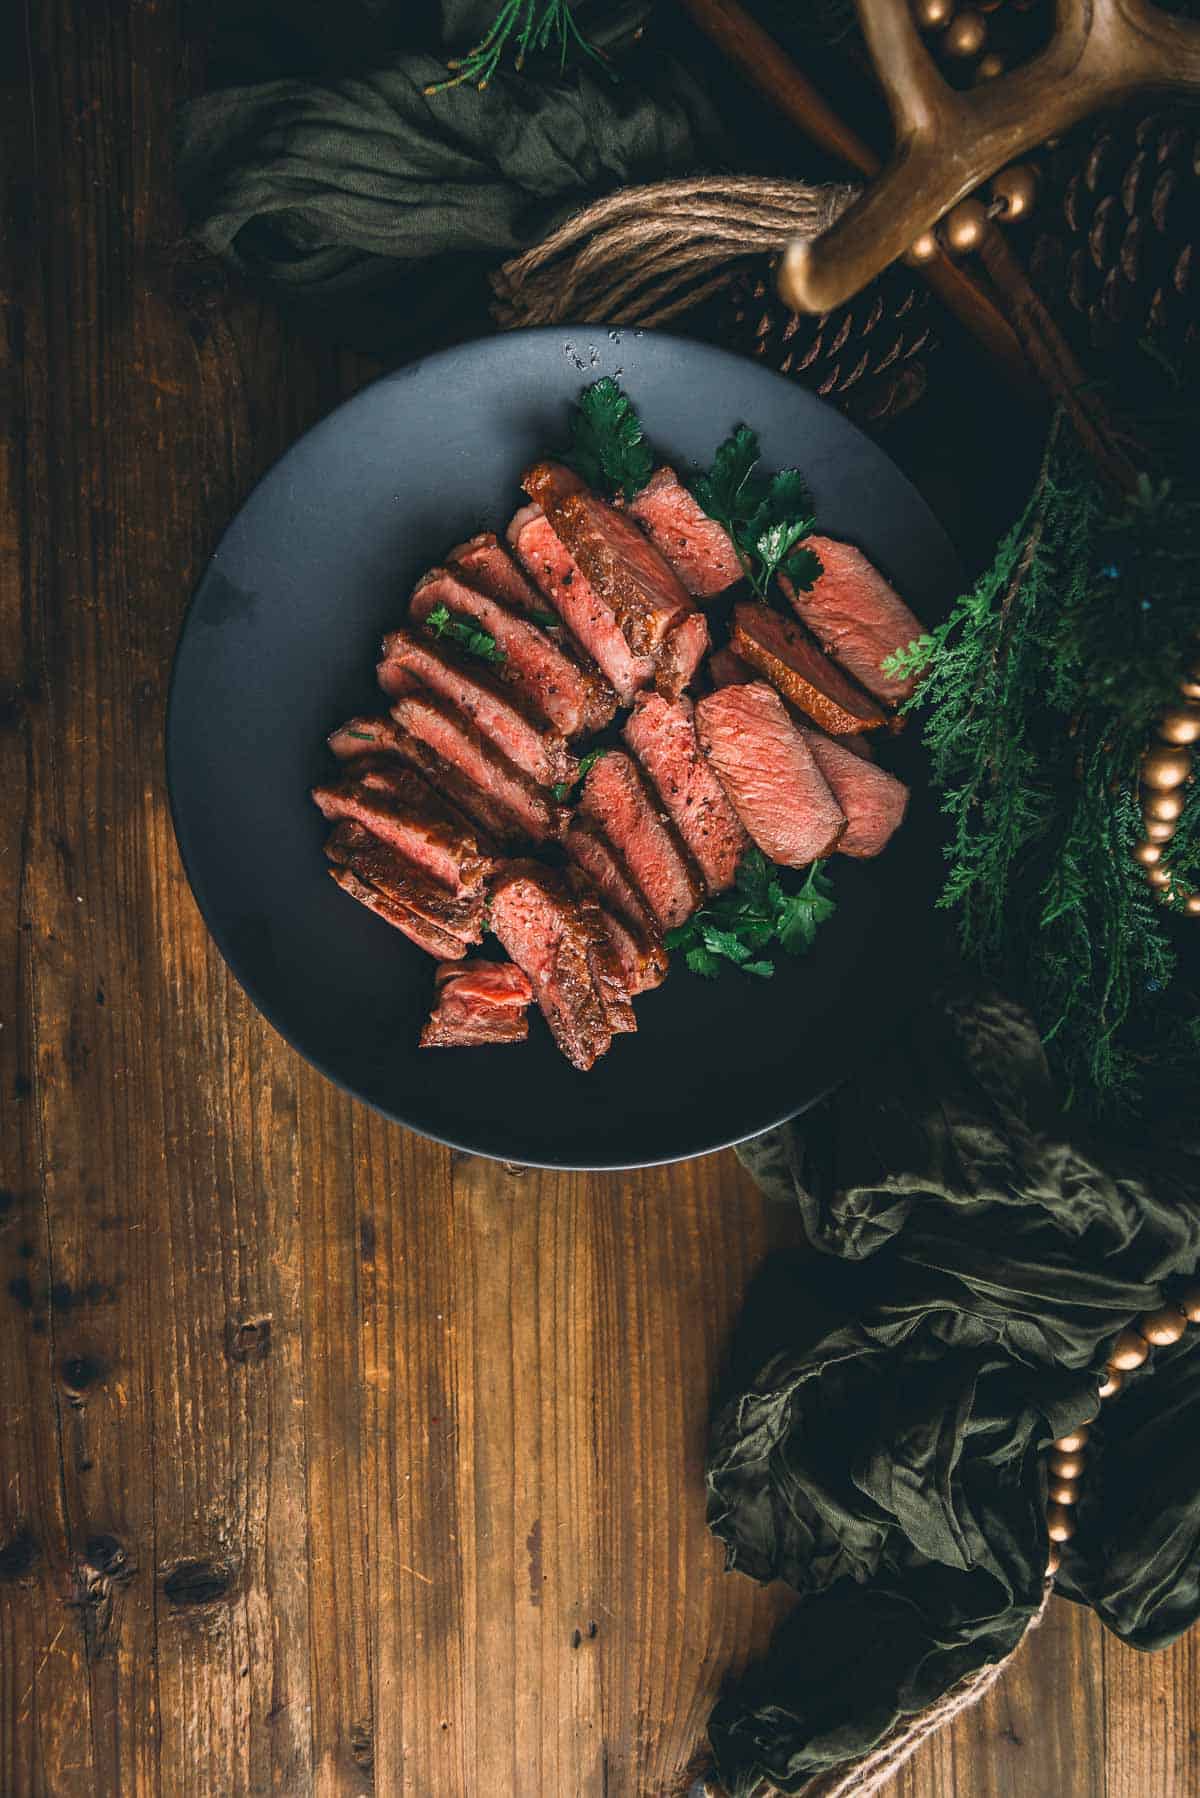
{"x":645,"y":254}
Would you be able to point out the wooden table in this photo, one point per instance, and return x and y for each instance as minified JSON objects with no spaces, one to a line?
{"x":330,"y":1461}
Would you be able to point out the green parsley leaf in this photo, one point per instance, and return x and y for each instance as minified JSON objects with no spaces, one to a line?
{"x":608,"y":445}
{"x":764,"y":969}
{"x":467,"y":635}
{"x":802,"y":913}
{"x":759,"y":911}
{"x":545,"y":618}
{"x":562,"y":789}
{"x":765,"y":516}
{"x":701,"y":962}
{"x":364,"y":736}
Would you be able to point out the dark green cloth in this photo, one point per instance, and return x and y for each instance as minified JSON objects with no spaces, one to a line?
{"x":880,"y":1444}
{"x":333,"y":190}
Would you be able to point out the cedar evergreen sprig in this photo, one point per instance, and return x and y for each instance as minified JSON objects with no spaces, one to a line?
{"x":1039,"y":692}
{"x":526,"y":26}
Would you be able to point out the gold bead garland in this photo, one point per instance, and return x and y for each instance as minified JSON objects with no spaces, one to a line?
{"x":1066,"y":1460}
{"x":1165,"y":770}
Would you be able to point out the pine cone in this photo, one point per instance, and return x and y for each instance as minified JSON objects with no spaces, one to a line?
{"x":1115,"y":230}
{"x":867,"y":356}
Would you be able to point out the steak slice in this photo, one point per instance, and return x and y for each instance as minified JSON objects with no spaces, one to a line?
{"x":402,"y":810}
{"x":486,"y":561}
{"x":607,"y":970}
{"x":857,"y":617}
{"x":727,"y":670}
{"x":768,"y":770}
{"x":641,"y":955}
{"x":791,"y":661}
{"x":352,"y":846}
{"x":593,"y":852}
{"x":538,"y":924}
{"x":873,"y":800}
{"x":682,"y":653}
{"x":537,"y":669}
{"x":621,"y":564}
{"x":426,"y":935}
{"x":662,"y":734}
{"x":409,"y":656}
{"x":478,"y":1002}
{"x":374,"y":742}
{"x":590,"y":621}
{"x":698,"y":548}
{"x":456,"y":740}
{"x":616,"y":799}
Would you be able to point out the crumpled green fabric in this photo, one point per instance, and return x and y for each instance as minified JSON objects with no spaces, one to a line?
{"x":880,"y":1444}
{"x":329,"y":189}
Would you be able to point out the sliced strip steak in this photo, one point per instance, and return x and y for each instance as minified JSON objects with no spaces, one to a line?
{"x":538,"y":924}
{"x":698,"y":548}
{"x":617,"y":800}
{"x":855,"y":615}
{"x":419,"y":930}
{"x":622,"y":565}
{"x":352,"y":846}
{"x":727,"y":670}
{"x":478,"y":1002}
{"x":791,"y":661}
{"x":455,"y":739}
{"x":410,"y":656}
{"x":682,"y":653}
{"x":549,"y":682}
{"x":591,"y":849}
{"x":607,"y":970}
{"x":873,"y":800}
{"x":662,"y":734}
{"x":409,"y":816}
{"x":641,"y":954}
{"x":492,"y":566}
{"x":373,"y":742}
{"x":590,"y":621}
{"x":768,"y":770}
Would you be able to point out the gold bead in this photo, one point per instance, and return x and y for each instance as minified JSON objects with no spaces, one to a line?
{"x":1063,"y":1492}
{"x":1112,"y":1383}
{"x":1159,"y":877}
{"x":1189,"y":1302}
{"x":1016,"y":187}
{"x":1066,"y":1467}
{"x":1072,"y":1443}
{"x":989,"y":67}
{"x":966,"y":34}
{"x":1129,"y":1351}
{"x":1189,"y":686}
{"x":1053,"y":1560}
{"x":1191,"y":905}
{"x":1163,"y":769}
{"x":1163,"y":1326}
{"x":1164,"y":808}
{"x":964,"y":227}
{"x":1182,"y":726}
{"x":1158,"y":831}
{"x":1147,"y":854}
{"x":1060,"y":1524}
{"x":929,"y":14}
{"x":922,"y":249}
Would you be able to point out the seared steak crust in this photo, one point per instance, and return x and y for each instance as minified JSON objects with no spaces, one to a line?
{"x":786,"y":655}
{"x":455,"y":739}
{"x":375,"y":742}
{"x":402,"y":810}
{"x":589,"y":619}
{"x":418,"y":929}
{"x":352,"y":846}
{"x":538,"y":924}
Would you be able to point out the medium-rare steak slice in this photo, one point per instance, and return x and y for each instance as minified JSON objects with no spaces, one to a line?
{"x":493,"y":567}
{"x":791,"y":661}
{"x":641,"y":954}
{"x":698,"y":548}
{"x":538,"y":670}
{"x":855,"y":615}
{"x":682,"y":653}
{"x":352,"y":846}
{"x":478,"y":1002}
{"x":873,"y":800}
{"x":590,"y":621}
{"x":617,"y":800}
{"x":371,"y":742}
{"x":593,"y":852}
{"x":410,"y":656}
{"x":727,"y":670}
{"x":407,"y":814}
{"x":662,"y":734}
{"x":538,"y":925}
{"x":768,"y":770}
{"x":455,"y":739}
{"x":607,"y":970}
{"x":436,"y":942}
{"x":621,"y":564}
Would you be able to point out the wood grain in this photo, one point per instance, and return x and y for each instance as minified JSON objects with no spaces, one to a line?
{"x":329,"y":1463}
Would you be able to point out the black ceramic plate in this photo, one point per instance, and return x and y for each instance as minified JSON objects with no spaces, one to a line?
{"x":280,"y":645}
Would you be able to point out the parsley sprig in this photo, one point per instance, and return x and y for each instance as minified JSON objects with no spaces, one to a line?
{"x":767,"y":516}
{"x":563,"y":789}
{"x":758,"y":911}
{"x":608,"y":446}
{"x":468,"y":636}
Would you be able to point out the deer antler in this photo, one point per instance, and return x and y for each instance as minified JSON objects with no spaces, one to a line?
{"x":1103,"y":51}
